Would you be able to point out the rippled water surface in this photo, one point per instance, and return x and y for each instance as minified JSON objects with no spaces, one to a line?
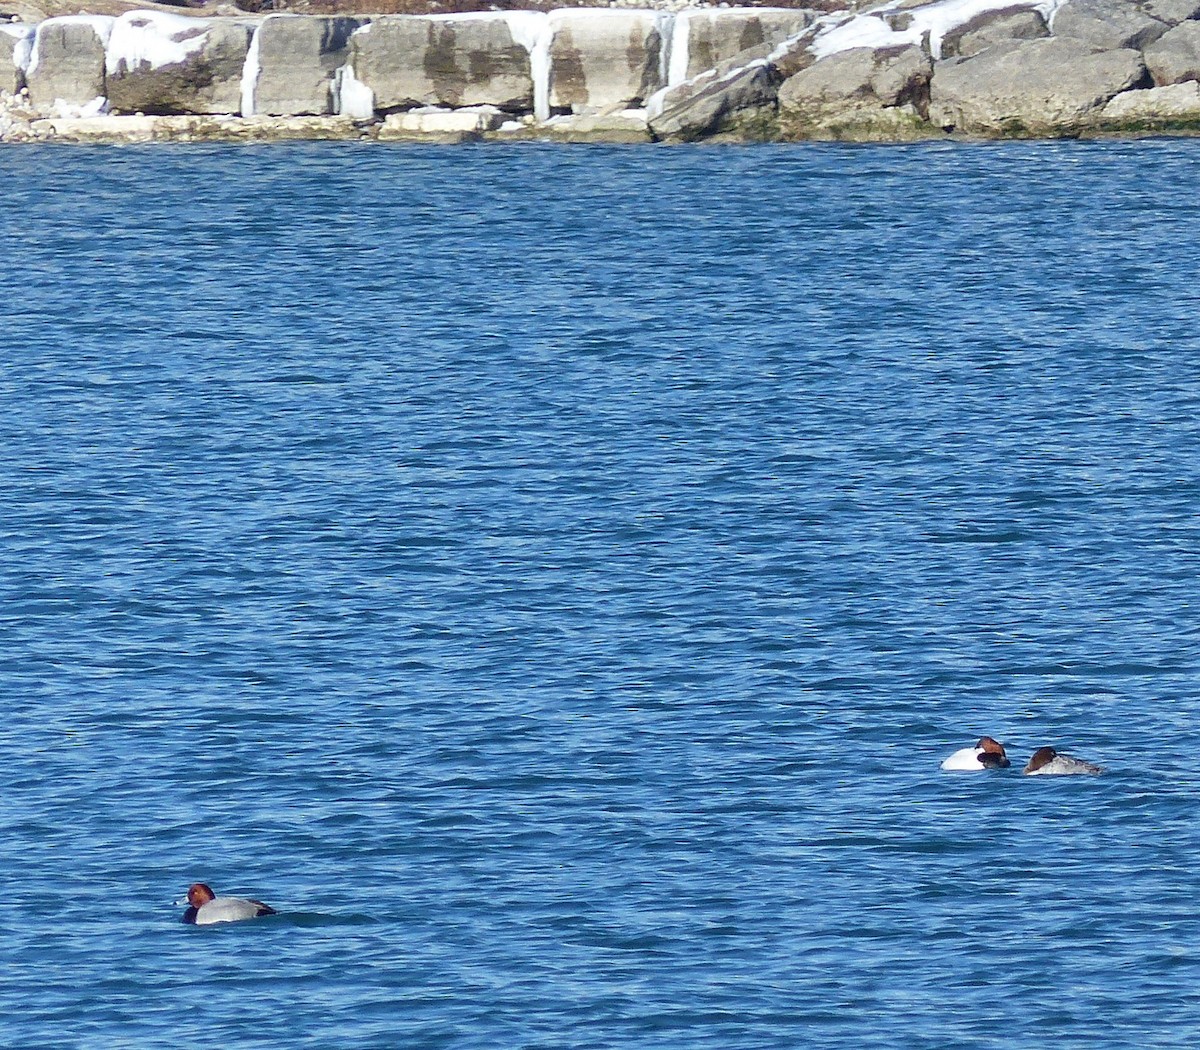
{"x":551,"y":578}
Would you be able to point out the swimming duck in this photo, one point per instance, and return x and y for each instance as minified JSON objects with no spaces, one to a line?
{"x":1047,"y":761}
{"x":987,"y":754}
{"x":205,"y":907}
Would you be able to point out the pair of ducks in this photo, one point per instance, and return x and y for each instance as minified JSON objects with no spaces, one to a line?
{"x":989,"y":754}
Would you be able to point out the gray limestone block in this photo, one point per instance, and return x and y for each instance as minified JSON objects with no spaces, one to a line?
{"x":68,"y":60}
{"x":878,"y":77}
{"x":1155,"y":105}
{"x":627,"y":128}
{"x":462,"y":60}
{"x":706,"y":103}
{"x":1171,"y":11}
{"x":1033,"y":87}
{"x":297,"y":58}
{"x":1106,"y":25}
{"x":200,"y":73}
{"x":703,"y":39}
{"x":602,"y":60}
{"x":1175,"y":56}
{"x":993,"y":27}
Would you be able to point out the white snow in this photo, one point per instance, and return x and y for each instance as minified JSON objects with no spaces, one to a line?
{"x":937,"y":19}
{"x":681,"y":37}
{"x":101,"y":25}
{"x":23,"y":51}
{"x":599,"y":14}
{"x":664,"y":25}
{"x":862,"y":31}
{"x":533,"y":31}
{"x":96,"y":108}
{"x":153,"y":38}
{"x":351,"y":97}
{"x":525,"y":26}
{"x":250,"y":71}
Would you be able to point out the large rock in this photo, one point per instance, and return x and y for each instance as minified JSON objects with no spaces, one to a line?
{"x":1172,"y":12}
{"x":860,"y":93}
{"x":627,"y":127}
{"x":67,"y":62}
{"x":426,"y":123}
{"x":193,"y":128}
{"x":445,"y":60}
{"x":989,"y":28}
{"x":293,"y":59}
{"x":1106,"y":25}
{"x":16,"y":46}
{"x":1175,"y":56}
{"x":714,"y":102}
{"x":1037,"y":87}
{"x":162,"y":63}
{"x":1174,"y":104}
{"x":605,"y":59}
{"x":704,"y":39}
{"x":736,"y":99}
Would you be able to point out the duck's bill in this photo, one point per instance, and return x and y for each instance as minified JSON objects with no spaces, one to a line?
{"x":182,"y":900}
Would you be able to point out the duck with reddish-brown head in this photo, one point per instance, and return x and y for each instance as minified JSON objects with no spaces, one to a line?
{"x":1048,"y":762}
{"x":205,"y":907}
{"x":988,"y":753}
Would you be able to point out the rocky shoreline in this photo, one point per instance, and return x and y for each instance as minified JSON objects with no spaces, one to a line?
{"x":900,"y":71}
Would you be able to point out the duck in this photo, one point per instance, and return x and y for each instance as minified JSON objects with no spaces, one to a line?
{"x":205,"y":907}
{"x":1046,"y":761}
{"x":988,"y":753}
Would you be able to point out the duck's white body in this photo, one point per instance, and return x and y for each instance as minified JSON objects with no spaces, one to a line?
{"x":231,"y":909}
{"x":963,"y":761}
{"x":987,"y":754}
{"x":206,"y":908}
{"x":1048,"y":762}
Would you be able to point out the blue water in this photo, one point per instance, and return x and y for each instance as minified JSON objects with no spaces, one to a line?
{"x":551,"y":578}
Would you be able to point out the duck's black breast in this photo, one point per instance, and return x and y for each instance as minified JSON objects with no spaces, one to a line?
{"x":189,"y":916}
